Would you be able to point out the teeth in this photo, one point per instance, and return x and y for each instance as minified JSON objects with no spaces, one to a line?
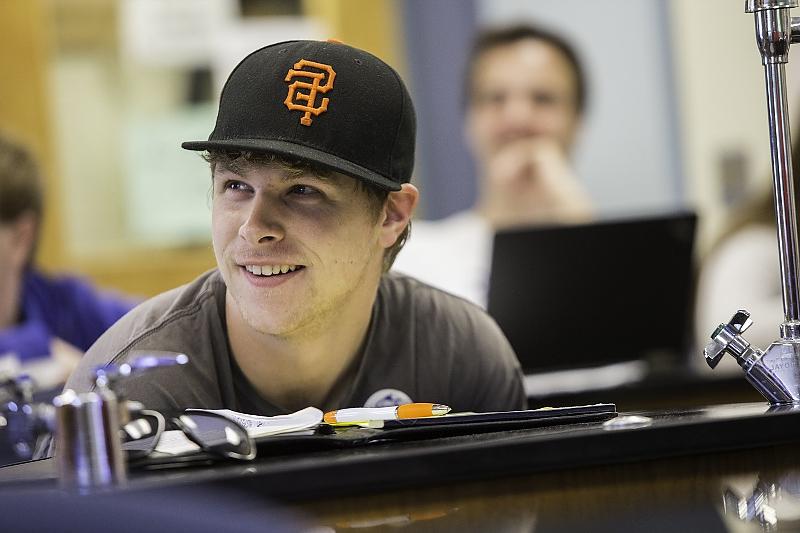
{"x":270,"y":270}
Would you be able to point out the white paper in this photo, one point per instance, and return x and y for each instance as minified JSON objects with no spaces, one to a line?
{"x":174,"y":442}
{"x":262,"y":426}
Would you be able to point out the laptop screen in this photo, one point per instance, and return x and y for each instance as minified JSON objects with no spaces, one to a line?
{"x":582,"y":296}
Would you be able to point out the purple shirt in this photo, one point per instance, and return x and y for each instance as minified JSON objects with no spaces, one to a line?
{"x":64,"y":307}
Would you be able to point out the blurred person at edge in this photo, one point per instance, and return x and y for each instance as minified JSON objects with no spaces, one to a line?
{"x":46,"y":323}
{"x":742,"y":271}
{"x":525,"y":98}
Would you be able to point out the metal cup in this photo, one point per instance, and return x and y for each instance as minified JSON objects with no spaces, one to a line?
{"x":88,"y":445}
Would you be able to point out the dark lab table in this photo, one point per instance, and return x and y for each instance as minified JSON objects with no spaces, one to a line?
{"x":688,"y":469}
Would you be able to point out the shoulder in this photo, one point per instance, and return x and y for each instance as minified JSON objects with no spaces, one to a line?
{"x":754,"y":236}
{"x":174,"y":304}
{"x":61,"y":288}
{"x":452,"y":338}
{"x":164,"y":322}
{"x":414,"y":303}
{"x":735,"y":254}
{"x":71,"y":308}
{"x":73,"y":292}
{"x":406,"y":290}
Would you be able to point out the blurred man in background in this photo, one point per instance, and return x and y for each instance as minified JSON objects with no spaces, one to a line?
{"x":45,"y":323}
{"x":525,"y":98}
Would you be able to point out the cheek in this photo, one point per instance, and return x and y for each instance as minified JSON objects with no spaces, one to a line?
{"x":7,"y":274}
{"x":480,"y":128}
{"x":563,"y":126}
{"x":5,"y":267}
{"x":352,"y":243}
{"x":495,"y":125}
{"x":224,"y":229}
{"x":562,"y":114}
{"x":13,"y":254}
{"x":223,"y":222}
{"x":216,"y":228}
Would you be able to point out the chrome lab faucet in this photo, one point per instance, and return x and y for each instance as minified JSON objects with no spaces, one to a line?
{"x":776,"y":371}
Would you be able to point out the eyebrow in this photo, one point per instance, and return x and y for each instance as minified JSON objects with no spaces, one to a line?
{"x":230,"y":166}
{"x":292,"y":173}
{"x":304,"y":176}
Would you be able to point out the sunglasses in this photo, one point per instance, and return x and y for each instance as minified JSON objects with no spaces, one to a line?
{"x":140,"y":436}
{"x":212,"y":432}
{"x":217,"y":435}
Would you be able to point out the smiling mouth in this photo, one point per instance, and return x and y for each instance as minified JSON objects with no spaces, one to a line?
{"x":272,"y":270}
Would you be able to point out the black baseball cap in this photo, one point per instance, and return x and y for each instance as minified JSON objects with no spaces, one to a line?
{"x":322,"y":102}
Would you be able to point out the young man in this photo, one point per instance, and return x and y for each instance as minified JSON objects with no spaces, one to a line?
{"x":310,"y":158}
{"x":525,"y":96}
{"x":46,"y":323}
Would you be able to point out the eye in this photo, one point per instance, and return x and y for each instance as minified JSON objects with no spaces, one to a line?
{"x":544,"y":98}
{"x":235,"y":185}
{"x":492,"y":98}
{"x":304,"y":190}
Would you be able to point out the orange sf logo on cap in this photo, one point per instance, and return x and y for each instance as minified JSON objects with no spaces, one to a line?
{"x":313,"y":87}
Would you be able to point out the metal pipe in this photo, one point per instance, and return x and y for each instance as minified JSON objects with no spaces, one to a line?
{"x":781,"y":145}
{"x":775,"y":373}
{"x":775,"y":30}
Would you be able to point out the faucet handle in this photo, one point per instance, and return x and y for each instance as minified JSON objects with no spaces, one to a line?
{"x":18,"y":389}
{"x":714,"y":350}
{"x":108,"y":376}
{"x":740,"y":321}
{"x":25,"y":421}
{"x":727,"y":334}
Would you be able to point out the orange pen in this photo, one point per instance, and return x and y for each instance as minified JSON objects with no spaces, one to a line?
{"x":365,"y":414}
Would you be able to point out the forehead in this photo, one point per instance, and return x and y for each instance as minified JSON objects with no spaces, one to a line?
{"x":245,"y":168}
{"x":528,"y":62}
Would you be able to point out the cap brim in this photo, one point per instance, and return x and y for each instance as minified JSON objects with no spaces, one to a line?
{"x":297,"y":151}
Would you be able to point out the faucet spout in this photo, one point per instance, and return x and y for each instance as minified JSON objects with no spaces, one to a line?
{"x":776,"y":372}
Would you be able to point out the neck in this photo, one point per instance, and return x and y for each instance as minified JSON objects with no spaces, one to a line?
{"x":483,"y":201}
{"x":485,"y":210}
{"x":303,"y":368}
{"x":10,"y":301}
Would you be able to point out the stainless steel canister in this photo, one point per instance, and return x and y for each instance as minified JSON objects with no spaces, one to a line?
{"x":88,"y":445}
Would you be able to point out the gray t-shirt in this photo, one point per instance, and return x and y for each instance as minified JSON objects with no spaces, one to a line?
{"x":422,"y":345}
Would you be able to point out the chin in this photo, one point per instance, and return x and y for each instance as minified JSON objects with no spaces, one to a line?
{"x":267,"y":322}
{"x":271,"y":329}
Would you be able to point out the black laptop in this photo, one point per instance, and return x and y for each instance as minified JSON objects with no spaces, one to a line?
{"x":572,"y":297}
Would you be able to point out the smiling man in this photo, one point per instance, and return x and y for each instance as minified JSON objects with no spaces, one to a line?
{"x":310,"y":159}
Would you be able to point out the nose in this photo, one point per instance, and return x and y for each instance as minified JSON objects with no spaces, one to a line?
{"x":521,"y":116}
{"x":263,"y":222}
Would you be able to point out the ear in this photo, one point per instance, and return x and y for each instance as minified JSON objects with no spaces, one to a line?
{"x":397,"y":213}
{"x":23,"y":238}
